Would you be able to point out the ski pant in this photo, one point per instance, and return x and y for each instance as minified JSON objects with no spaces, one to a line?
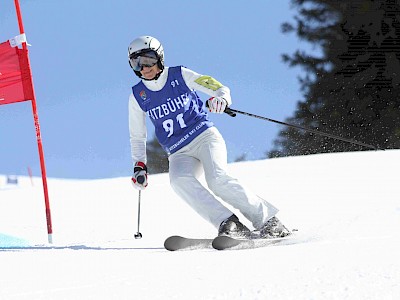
{"x":207,"y":153}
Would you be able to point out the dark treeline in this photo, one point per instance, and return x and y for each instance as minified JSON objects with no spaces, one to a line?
{"x":352,"y":88}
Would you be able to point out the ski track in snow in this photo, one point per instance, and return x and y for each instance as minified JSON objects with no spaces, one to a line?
{"x":346,"y":207}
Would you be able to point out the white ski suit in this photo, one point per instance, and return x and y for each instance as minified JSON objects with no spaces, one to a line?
{"x":205,"y":153}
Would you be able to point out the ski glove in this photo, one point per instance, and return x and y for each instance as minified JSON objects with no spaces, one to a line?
{"x":139,"y":177}
{"x":217,"y":105}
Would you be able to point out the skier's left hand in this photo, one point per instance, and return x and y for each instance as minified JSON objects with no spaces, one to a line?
{"x":217,"y":105}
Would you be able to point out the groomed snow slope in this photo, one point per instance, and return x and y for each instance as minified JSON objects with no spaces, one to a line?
{"x":346,"y":207}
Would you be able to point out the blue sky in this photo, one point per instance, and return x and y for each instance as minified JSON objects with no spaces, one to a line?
{"x":82,"y":78}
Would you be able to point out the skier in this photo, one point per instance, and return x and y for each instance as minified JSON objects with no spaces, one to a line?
{"x":193,"y":144}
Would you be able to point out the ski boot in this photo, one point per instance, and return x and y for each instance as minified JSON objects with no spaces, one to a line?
{"x":273,"y":228}
{"x":232,"y":227}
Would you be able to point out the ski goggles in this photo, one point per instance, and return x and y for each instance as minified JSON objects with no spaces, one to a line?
{"x":143,"y":59}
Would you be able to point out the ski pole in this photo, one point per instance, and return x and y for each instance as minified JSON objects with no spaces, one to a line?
{"x":138,"y":235}
{"x":233,"y":112}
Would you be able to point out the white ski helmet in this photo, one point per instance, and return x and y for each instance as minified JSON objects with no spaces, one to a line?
{"x":145,"y":44}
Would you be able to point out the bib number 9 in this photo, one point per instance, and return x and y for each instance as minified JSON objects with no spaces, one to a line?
{"x":168,"y":124}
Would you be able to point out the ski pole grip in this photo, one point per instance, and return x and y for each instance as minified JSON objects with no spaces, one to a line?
{"x":227,"y":110}
{"x":140,"y":179}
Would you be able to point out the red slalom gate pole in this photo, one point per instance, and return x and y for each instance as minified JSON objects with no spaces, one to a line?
{"x":38,"y":134}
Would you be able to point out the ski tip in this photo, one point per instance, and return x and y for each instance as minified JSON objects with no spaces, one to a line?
{"x":224,"y":242}
{"x":176,"y":242}
{"x":173,"y":243}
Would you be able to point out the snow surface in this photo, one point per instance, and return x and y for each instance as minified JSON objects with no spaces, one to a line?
{"x":345,"y":205}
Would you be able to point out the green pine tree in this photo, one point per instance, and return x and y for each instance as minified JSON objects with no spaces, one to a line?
{"x":352,"y":90}
{"x":157,"y":159}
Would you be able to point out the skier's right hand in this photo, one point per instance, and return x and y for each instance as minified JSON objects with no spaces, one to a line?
{"x":139,"y":177}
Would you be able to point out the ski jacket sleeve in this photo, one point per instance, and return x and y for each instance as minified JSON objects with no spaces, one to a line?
{"x":206,"y":84}
{"x":137,"y":131}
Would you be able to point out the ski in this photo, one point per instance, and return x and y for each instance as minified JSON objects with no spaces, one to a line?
{"x":175,"y":243}
{"x":226,"y":242}
{"x":178,"y":243}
